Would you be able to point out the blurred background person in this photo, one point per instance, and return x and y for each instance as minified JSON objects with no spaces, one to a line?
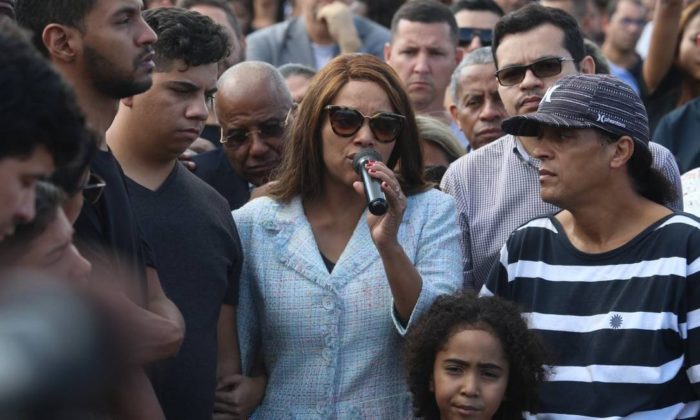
{"x":623,"y":27}
{"x":380,"y":11}
{"x":439,"y":147}
{"x":586,"y":13}
{"x":477,"y":108}
{"x":7,"y":8}
{"x":475,"y":19}
{"x":511,"y":5}
{"x":317,"y":264}
{"x":423,"y":52}
{"x":323,"y":30}
{"x":252,"y":103}
{"x":671,"y":70}
{"x":42,"y":130}
{"x":265,"y":13}
{"x":298,"y":78}
{"x":152,"y":4}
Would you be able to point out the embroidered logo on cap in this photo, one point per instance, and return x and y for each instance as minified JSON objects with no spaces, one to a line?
{"x":603,"y":119}
{"x":548,"y":95}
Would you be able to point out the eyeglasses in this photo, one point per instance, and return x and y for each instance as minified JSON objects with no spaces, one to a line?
{"x":93,"y":188}
{"x":633,"y":22}
{"x":544,"y":67}
{"x":268,"y":130}
{"x":345,"y":122}
{"x":467,"y":35}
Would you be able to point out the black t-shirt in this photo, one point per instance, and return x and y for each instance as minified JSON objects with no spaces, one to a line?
{"x":214,"y":168}
{"x":193,"y":236}
{"x":665,"y":98}
{"x":108,"y":234}
{"x":678,"y":131}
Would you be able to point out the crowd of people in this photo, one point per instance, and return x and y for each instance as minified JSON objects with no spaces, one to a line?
{"x":336,"y":209}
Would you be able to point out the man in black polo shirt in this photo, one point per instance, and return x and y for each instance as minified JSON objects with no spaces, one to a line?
{"x":611,"y":282}
{"x":187,"y":223}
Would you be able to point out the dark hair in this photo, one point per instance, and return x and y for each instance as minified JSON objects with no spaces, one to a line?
{"x":382,"y":11}
{"x":477,"y":6}
{"x":533,"y":16}
{"x":38,"y":14}
{"x":187,"y":36}
{"x":36,"y":107}
{"x":70,"y":176}
{"x":450,"y":314}
{"x":611,"y":7}
{"x":647,"y":181}
{"x":48,"y":199}
{"x":301,"y":171}
{"x":593,"y":50}
{"x":295,"y":69}
{"x":425,"y":11}
{"x":220,"y":4}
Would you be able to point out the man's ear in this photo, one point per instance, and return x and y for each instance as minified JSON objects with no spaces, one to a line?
{"x":62,"y":42}
{"x":128,"y":101}
{"x":459,"y":54}
{"x":624,"y":148}
{"x":587,"y":65}
{"x":387,"y":52}
{"x":453,"y":112}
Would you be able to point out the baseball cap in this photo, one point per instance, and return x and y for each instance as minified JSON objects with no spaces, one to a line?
{"x":586,"y":101}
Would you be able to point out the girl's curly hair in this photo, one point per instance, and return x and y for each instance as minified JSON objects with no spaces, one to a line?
{"x":453,"y":313}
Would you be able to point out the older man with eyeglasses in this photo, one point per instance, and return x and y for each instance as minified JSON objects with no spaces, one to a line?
{"x":496,"y":187}
{"x":253,"y":106}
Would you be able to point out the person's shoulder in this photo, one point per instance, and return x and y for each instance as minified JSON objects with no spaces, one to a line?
{"x":484,"y":156}
{"x":431,"y":202}
{"x":199,"y":189}
{"x":261,"y":210}
{"x":366,"y":26}
{"x":273,"y":33}
{"x":208,"y":162}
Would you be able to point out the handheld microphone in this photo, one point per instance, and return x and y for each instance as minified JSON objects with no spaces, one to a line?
{"x":376,"y":200}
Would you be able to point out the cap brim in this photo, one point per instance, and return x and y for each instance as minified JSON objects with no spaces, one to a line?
{"x":531,"y":124}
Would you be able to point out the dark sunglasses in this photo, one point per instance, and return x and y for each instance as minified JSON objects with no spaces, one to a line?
{"x":545,"y":67}
{"x":93,"y":188}
{"x":467,"y":35}
{"x":268,"y":130}
{"x":345,"y":122}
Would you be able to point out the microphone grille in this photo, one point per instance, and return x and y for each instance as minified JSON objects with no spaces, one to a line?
{"x":364,"y":155}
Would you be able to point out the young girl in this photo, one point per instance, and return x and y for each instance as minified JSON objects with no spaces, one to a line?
{"x":473,"y":358}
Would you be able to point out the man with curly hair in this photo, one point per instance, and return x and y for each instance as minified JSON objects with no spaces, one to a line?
{"x":188,"y":223}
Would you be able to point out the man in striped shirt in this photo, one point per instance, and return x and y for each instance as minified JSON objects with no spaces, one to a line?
{"x":611,"y":282}
{"x":496,"y":187}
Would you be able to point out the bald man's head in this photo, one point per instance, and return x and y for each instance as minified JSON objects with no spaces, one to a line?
{"x":251,"y":105}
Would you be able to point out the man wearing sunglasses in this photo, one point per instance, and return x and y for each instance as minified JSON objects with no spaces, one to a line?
{"x":496,"y":188}
{"x":476,"y":19}
{"x":187,"y":223}
{"x":252,"y":104}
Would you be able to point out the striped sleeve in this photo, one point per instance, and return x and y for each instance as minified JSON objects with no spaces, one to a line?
{"x":692,"y":323}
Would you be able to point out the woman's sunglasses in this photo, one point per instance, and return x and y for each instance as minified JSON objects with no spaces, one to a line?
{"x":545,"y":67}
{"x":93,"y":187}
{"x":345,"y":122}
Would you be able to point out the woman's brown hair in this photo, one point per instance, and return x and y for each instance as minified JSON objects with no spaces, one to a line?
{"x":302,"y":170}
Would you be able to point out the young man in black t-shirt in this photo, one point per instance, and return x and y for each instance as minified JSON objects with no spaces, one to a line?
{"x":187,"y":223}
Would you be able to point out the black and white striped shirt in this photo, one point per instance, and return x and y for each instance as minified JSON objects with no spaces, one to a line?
{"x":497,"y":188}
{"x":622,"y":327}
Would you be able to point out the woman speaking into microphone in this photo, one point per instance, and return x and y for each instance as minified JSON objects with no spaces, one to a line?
{"x":328,"y":289}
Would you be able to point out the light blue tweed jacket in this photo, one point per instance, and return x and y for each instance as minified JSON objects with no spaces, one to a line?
{"x":330,"y":343}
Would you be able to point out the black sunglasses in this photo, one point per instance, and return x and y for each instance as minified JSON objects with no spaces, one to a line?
{"x":467,"y":35}
{"x":268,"y":130}
{"x":544,"y":67}
{"x":345,"y":122}
{"x":93,"y":188}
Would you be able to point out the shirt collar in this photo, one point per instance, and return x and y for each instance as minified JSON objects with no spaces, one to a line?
{"x":523,"y":155}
